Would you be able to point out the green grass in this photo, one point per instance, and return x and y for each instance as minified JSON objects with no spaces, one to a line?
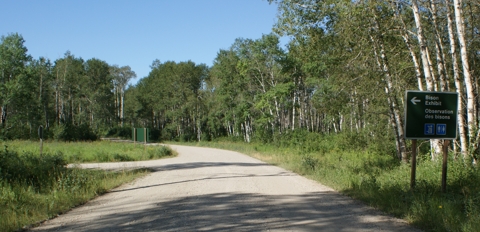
{"x":88,"y":152}
{"x":22,"y":205}
{"x":381,"y":181}
{"x":34,"y":188}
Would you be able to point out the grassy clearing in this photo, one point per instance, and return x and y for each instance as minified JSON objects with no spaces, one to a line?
{"x":23,"y":205}
{"x":34,"y":188}
{"x":381,"y":181}
{"x":88,"y":152}
{"x":40,"y":192}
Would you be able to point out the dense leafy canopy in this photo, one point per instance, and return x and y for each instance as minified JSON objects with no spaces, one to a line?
{"x":345,"y":69}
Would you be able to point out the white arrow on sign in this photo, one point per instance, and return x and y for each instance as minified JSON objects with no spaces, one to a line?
{"x":415,"y":100}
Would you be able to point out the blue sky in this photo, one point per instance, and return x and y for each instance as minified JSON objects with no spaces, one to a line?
{"x":135,"y":32}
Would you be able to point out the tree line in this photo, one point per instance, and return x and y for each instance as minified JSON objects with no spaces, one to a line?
{"x":70,"y":97}
{"x":345,"y":69}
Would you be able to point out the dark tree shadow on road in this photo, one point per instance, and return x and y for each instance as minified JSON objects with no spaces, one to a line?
{"x":195,"y":165}
{"x":322,"y":211}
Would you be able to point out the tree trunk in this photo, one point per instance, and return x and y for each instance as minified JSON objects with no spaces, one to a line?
{"x":406,"y":38}
{"x":295,"y":92}
{"x":441,"y":70}
{"x":458,"y":86}
{"x":397,"y":122}
{"x":469,"y":85}
{"x":431,"y":85}
{"x":122,"y":113}
{"x":423,"y":47}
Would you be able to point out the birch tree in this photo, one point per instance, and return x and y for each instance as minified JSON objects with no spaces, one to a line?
{"x":458,"y":83}
{"x":469,"y":83}
{"x":121,"y":77}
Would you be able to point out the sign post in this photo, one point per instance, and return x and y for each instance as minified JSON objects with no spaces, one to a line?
{"x":134,"y":137}
{"x":40,"y":135}
{"x":430,"y":115}
{"x":444,"y":166}
{"x":144,"y":140}
{"x":413,"y":163}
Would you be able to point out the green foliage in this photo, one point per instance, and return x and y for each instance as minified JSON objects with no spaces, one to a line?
{"x":120,"y":132}
{"x":99,"y":151}
{"x":71,"y":92}
{"x":69,"y":132}
{"x":172,"y":94}
{"x":426,"y":206}
{"x":34,"y":188}
{"x":378,"y":179}
{"x":159,"y":152}
{"x":309,"y":162}
{"x":308,"y":142}
{"x":302,"y":140}
{"x":22,"y":205}
{"x":36,"y":171}
{"x":263,"y":134}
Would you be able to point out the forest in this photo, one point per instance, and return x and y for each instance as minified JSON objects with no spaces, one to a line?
{"x":345,"y":70}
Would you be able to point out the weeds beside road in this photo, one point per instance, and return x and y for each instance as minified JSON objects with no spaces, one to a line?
{"x":35,"y":188}
{"x":381,"y":181}
{"x":376,"y":178}
{"x":89,"y":152}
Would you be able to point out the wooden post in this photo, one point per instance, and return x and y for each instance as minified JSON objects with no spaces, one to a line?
{"x":135,"y":137}
{"x":413,"y":163}
{"x":40,"y":135}
{"x":444,"y":165}
{"x":145,"y":140}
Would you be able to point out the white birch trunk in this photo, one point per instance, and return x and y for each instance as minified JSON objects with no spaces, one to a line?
{"x":293,"y":109}
{"x":406,"y":38}
{"x":432,"y":72}
{"x":441,"y":70}
{"x":469,"y":85}
{"x":397,"y":122}
{"x":423,"y":47}
{"x":458,"y":86}
{"x":431,"y":85}
{"x":122,"y":113}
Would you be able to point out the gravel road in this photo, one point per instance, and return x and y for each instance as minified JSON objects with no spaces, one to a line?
{"x":205,"y":189}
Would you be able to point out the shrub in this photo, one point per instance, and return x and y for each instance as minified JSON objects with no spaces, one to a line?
{"x":121,"y":132}
{"x":122,"y":157}
{"x":309,"y":162}
{"x":155,"y":134}
{"x":70,"y":132}
{"x":159,"y":152}
{"x":37,"y":171}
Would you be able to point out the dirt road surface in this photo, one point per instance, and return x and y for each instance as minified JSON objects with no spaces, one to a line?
{"x":206,"y":189}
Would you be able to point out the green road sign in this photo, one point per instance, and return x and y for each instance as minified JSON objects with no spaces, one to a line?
{"x":138,"y":134}
{"x":430,"y":115}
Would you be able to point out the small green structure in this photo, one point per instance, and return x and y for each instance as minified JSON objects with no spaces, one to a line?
{"x":141,"y":135}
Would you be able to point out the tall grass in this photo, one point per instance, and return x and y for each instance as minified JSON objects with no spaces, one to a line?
{"x":98,"y":151}
{"x":376,"y":177}
{"x":34,"y":188}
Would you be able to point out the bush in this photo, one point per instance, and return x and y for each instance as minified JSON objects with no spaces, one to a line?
{"x":263,"y":135}
{"x":37,"y":171}
{"x":304,"y":141}
{"x":155,"y":134}
{"x":70,"y":132}
{"x":309,"y":162}
{"x":35,"y":188}
{"x":120,"y":132}
{"x":168,"y":133}
{"x":159,"y":152}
